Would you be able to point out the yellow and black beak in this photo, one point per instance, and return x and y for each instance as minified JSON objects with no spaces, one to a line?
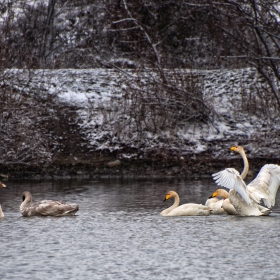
{"x":214,"y":194}
{"x":166,"y":197}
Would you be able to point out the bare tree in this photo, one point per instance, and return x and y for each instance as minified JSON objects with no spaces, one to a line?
{"x":32,"y":121}
{"x":251,"y":29}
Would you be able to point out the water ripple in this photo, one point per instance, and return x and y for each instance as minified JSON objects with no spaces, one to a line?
{"x":119,"y":234}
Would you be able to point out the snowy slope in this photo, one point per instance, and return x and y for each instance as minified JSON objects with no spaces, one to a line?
{"x":238,"y":97}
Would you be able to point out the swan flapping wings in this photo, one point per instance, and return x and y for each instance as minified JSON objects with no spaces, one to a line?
{"x":267,"y":182}
{"x":231,"y":179}
{"x":263,"y":187}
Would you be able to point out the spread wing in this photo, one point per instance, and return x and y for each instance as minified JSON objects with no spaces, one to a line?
{"x":267,"y":183}
{"x":231,"y":179}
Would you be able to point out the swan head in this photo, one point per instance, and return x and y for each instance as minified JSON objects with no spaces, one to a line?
{"x":170,"y":194}
{"x":219,"y":192}
{"x":237,"y":149}
{"x":26,"y":196}
{"x":3,"y":185}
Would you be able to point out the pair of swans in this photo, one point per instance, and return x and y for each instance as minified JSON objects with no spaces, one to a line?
{"x":244,"y":198}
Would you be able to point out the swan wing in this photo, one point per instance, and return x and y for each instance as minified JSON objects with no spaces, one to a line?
{"x":210,"y":202}
{"x":228,"y":207}
{"x":54,"y":208}
{"x":267,"y":183}
{"x":216,"y":207}
{"x":190,"y":209}
{"x":231,"y":179}
{"x":243,"y":209}
{"x":255,"y":194}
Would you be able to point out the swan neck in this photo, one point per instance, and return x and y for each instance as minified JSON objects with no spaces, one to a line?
{"x":172,"y":207}
{"x":176,"y":200}
{"x":26,"y":203}
{"x":224,"y":193}
{"x":175,"y":204}
{"x":246,"y":165}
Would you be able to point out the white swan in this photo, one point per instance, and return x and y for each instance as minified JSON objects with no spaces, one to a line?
{"x":220,"y":206}
{"x":189,"y":209}
{"x":215,"y":204}
{"x":45,"y":207}
{"x":1,"y":212}
{"x":246,"y":199}
{"x":240,"y":150}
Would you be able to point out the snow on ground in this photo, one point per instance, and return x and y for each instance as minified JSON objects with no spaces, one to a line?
{"x":231,"y":94}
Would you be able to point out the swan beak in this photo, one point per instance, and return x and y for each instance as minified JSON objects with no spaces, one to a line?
{"x":166,"y":197}
{"x":233,"y":148}
{"x":214,"y":194}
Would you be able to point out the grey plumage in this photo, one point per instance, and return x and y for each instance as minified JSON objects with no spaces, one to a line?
{"x":46,"y":207}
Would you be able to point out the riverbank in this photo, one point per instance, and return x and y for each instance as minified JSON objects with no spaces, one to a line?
{"x":202,"y":166}
{"x":75,"y":123}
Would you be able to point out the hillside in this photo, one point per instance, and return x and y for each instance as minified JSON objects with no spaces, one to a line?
{"x":90,"y":133}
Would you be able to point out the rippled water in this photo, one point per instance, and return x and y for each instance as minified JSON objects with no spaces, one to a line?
{"x":119,"y":234}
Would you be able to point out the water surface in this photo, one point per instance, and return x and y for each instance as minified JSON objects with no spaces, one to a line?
{"x":119,"y":234}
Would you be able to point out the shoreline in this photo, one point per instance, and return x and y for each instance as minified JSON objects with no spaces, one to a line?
{"x":188,"y":168}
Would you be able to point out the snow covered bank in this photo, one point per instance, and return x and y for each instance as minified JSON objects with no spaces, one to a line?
{"x":244,"y":115}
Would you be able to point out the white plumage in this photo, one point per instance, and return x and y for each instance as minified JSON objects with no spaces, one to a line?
{"x":189,"y":209}
{"x":246,"y":199}
{"x":220,"y":206}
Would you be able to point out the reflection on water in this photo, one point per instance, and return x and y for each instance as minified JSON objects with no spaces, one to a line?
{"x":119,"y":234}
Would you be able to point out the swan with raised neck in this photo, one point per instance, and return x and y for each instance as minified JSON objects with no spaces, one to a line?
{"x":240,"y":150}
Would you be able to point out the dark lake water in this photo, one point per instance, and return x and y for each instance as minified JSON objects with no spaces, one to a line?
{"x":119,"y":234}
